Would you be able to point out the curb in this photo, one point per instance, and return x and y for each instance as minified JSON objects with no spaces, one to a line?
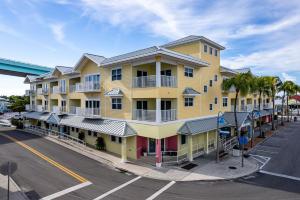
{"x":115,"y":166}
{"x":19,"y":189}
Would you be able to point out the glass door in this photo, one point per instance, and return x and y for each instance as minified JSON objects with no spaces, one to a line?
{"x":151,"y":146}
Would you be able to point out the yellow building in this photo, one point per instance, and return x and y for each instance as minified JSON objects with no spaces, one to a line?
{"x":160,"y":101}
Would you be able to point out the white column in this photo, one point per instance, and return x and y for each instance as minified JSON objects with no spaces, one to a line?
{"x":158,"y":69}
{"x":190,"y":148}
{"x":124,"y":150}
{"x":157,"y":110}
{"x":207,"y":134}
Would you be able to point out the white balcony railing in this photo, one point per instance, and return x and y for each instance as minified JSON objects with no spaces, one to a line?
{"x":63,"y":109}
{"x":29,"y":107}
{"x":45,"y":91}
{"x":29,"y":92}
{"x":55,"y":90}
{"x":168,"y":81}
{"x":86,"y":112}
{"x":246,"y":108}
{"x":150,"y":81}
{"x":55,"y":109}
{"x":168,"y":115}
{"x":87,"y":87}
{"x":72,"y":88}
{"x":39,"y":108}
{"x":39,"y":91}
{"x":268,"y":106}
{"x":150,"y":115}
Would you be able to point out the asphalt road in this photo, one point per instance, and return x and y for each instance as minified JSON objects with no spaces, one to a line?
{"x":46,"y":168}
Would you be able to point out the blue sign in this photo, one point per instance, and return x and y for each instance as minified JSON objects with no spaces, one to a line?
{"x":256,"y":114}
{"x":243,"y":140}
{"x":221,"y":120}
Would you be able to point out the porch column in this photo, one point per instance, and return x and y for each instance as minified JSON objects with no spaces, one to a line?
{"x":158,"y":153}
{"x":60,"y":130}
{"x":157,"y":110}
{"x":207,"y":137}
{"x":158,"y":69}
{"x":124,"y":150}
{"x":190,"y":148}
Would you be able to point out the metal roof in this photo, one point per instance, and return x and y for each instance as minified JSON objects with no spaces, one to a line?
{"x":241,"y":118}
{"x":110,"y":127}
{"x":53,"y":119}
{"x":37,"y":115}
{"x":116,"y":92}
{"x":152,"y":51}
{"x":193,"y":38}
{"x":190,"y":92}
{"x":199,"y":126}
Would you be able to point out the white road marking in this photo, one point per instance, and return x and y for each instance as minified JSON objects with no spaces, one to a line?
{"x":280,"y":175}
{"x":117,"y":188}
{"x":266,"y":159}
{"x":161,"y":190}
{"x":271,"y":152}
{"x":66,"y":191}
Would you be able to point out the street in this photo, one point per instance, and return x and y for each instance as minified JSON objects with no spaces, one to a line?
{"x":47,"y":170}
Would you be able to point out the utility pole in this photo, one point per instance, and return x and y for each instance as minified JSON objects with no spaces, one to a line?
{"x":8,"y":180}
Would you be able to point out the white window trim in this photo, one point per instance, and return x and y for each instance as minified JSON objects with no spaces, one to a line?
{"x":212,"y":107}
{"x":206,"y":89}
{"x":223,"y":102}
{"x":115,"y":68}
{"x":92,"y":75}
{"x":112,"y":103}
{"x":215,"y":100}
{"x":189,"y":97}
{"x":206,"y":48}
{"x":188,"y":67}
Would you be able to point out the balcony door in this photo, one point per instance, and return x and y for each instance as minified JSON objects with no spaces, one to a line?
{"x":142,"y":105}
{"x":141,"y":81}
{"x":167,"y":72}
{"x":92,"y":107}
{"x":152,"y":145}
{"x":165,"y":105}
{"x":92,"y":82}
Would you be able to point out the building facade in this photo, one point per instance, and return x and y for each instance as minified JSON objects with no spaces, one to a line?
{"x":160,"y":102}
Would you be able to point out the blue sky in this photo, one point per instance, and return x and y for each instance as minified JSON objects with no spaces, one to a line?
{"x":263,"y":35}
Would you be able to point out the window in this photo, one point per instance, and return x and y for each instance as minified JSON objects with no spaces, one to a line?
{"x":254,"y":103}
{"x":188,"y":72}
{"x":72,"y":129}
{"x":210,"y":83}
{"x":225,"y":101}
{"x":188,"y":102}
{"x":89,"y":133}
{"x":210,"y":50}
{"x":116,"y":74}
{"x":205,"y":48}
{"x":77,"y":130}
{"x":62,"y":86}
{"x":167,"y":72}
{"x":120,"y":140}
{"x":205,"y":88}
{"x":216,"y":52}
{"x":116,"y":103}
{"x":268,"y":100}
{"x":183,"y":139}
{"x":95,"y":134}
{"x":210,"y":107}
{"x":216,"y":100}
{"x":93,"y":107}
{"x":92,"y":82}
{"x":216,"y":78}
{"x":113,"y":138}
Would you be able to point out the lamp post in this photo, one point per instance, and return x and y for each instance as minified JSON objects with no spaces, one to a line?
{"x":218,"y":135}
{"x":252,"y":128}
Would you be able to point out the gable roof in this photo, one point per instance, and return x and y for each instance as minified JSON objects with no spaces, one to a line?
{"x":193,"y":38}
{"x":190,"y":92}
{"x":150,"y":52}
{"x":30,"y":78}
{"x":87,"y":56}
{"x":199,"y":126}
{"x":241,"y":118}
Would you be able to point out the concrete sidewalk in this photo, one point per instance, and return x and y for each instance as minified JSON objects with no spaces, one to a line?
{"x":15,"y":191}
{"x":206,"y":169}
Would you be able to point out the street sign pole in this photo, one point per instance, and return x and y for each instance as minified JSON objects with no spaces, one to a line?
{"x":218,"y":139}
{"x":8,"y":179}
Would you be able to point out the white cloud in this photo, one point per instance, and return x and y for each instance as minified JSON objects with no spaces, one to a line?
{"x":281,"y":59}
{"x":58,"y":32}
{"x":287,"y":77}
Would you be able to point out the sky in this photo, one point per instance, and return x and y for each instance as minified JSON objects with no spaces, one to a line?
{"x":263,"y":35}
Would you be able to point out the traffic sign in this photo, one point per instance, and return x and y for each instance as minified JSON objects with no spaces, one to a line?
{"x":221,"y":120}
{"x":243,"y":140}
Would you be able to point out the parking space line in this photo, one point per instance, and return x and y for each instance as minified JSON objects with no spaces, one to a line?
{"x":156,"y":194}
{"x":117,"y":188}
{"x":49,"y":160}
{"x":66,"y":191}
{"x":280,"y":175}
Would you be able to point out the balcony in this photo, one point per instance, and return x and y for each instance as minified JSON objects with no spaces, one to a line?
{"x":39,"y":91}
{"x":150,"y":81}
{"x":29,"y":107}
{"x":29,"y":92}
{"x":55,"y":109}
{"x":268,"y":106}
{"x":85,"y":112}
{"x":150,"y":115}
{"x":246,"y":108}
{"x":39,"y":108}
{"x":63,"y":109}
{"x":72,"y":88}
{"x":87,"y":87}
{"x":58,"y":90}
{"x":45,"y":91}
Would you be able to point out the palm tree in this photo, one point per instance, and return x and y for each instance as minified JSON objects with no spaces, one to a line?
{"x":260,"y":85}
{"x":288,"y":88}
{"x":241,"y":84}
{"x":273,"y":83}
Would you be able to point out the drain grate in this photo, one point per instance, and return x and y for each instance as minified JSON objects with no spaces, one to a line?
{"x":232,"y":167}
{"x":189,"y":166}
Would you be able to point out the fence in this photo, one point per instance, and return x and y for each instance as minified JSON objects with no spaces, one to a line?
{"x":174,"y":157}
{"x":52,"y":133}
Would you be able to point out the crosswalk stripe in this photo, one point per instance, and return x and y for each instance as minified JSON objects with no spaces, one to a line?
{"x":156,"y":194}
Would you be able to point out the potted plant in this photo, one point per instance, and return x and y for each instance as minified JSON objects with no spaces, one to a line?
{"x":145,"y":153}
